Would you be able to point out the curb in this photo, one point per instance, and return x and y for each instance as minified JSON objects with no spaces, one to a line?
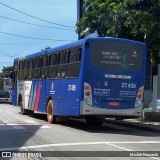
{"x":136,"y":124}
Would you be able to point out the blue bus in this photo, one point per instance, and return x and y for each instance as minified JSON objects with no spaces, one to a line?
{"x":92,"y":78}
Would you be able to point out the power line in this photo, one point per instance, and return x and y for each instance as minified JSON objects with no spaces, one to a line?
{"x":2,"y":50}
{"x":45,"y":39}
{"x":35,"y":17}
{"x":4,"y":53}
{"x":35,"y":24}
{"x":6,"y":62}
{"x":17,"y":44}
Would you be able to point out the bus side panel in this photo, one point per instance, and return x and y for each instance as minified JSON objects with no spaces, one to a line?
{"x":14,"y":96}
{"x":37,"y":96}
{"x":68,"y":108}
{"x":32,"y":95}
{"x":40,"y":105}
{"x":69,"y":97}
{"x":52,"y":91}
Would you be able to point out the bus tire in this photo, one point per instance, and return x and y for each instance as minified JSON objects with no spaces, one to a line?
{"x":51,"y":118}
{"x":22,"y":109}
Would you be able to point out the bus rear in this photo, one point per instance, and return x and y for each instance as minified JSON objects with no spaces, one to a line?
{"x":114,"y":77}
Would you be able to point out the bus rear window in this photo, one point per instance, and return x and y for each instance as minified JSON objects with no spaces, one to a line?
{"x":116,"y":55}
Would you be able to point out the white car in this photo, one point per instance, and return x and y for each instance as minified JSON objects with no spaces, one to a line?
{"x":149,"y":109}
{"x":5,"y":97}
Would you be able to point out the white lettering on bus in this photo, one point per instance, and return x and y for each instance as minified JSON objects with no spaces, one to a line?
{"x":71,"y":87}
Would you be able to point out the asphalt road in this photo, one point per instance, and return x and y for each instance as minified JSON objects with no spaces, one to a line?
{"x":72,"y":139}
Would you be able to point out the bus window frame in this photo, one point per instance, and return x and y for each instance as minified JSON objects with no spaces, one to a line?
{"x":26,"y":69}
{"x":44,"y":68}
{"x":59,"y":62}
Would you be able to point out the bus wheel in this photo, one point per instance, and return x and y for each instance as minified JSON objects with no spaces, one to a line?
{"x":22,"y":110}
{"x":51,"y":118}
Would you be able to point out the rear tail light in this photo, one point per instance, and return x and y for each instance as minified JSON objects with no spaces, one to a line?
{"x":87,"y":87}
{"x":139,"y":97}
{"x":87,"y":93}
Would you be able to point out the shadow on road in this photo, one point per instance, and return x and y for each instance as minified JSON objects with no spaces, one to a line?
{"x":15,"y":136}
{"x":107,"y":127}
{"x":15,"y":132}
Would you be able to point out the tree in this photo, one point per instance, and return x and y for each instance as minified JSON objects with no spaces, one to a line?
{"x":132,"y":19}
{"x":4,"y":74}
{"x":6,"y":71}
{"x":1,"y":82}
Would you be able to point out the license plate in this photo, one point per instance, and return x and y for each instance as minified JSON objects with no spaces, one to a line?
{"x":114,"y":103}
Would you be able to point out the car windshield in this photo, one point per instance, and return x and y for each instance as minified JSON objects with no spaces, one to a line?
{"x":4,"y":94}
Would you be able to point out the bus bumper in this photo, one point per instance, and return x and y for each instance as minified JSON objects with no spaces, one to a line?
{"x":93,"y":110}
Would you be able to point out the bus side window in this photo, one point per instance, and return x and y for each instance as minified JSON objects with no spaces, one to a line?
{"x":48,"y":60}
{"x":61,"y":70}
{"x":79,"y":54}
{"x":54,"y":59}
{"x":67,"y":56}
{"x":40,"y":62}
{"x":21,"y":68}
{"x":37,"y":70}
{"x":73,"y":67}
{"x":36,"y":63}
{"x":44,"y":69}
{"x":44,"y":61}
{"x":31,"y":67}
{"x":73,"y":55}
{"x":15,"y":73}
{"x":62,"y":57}
{"x":52,"y":68}
{"x":26,"y":66}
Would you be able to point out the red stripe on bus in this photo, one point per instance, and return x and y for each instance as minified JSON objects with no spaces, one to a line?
{"x":37,"y":98}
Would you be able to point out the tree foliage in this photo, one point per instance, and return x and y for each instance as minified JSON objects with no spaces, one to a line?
{"x":132,"y":19}
{"x":4,"y":74}
{"x":6,"y":71}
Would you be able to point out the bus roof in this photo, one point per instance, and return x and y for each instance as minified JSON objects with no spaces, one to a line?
{"x":76,"y":43}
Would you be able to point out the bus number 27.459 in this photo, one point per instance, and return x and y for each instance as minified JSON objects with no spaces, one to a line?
{"x":128,"y":85}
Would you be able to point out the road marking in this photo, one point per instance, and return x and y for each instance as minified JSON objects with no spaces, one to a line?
{"x":17,"y":126}
{"x":113,"y":145}
{"x":21,"y":125}
{"x":139,"y":142}
{"x":45,"y":127}
{"x":52,"y":145}
{"x":84,"y":143}
{"x":81,"y":143}
{"x":30,"y":121}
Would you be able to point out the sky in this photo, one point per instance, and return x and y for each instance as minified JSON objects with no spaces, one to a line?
{"x":57,"y":19}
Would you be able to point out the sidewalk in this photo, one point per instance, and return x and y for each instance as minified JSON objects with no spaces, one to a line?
{"x":137,"y":123}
